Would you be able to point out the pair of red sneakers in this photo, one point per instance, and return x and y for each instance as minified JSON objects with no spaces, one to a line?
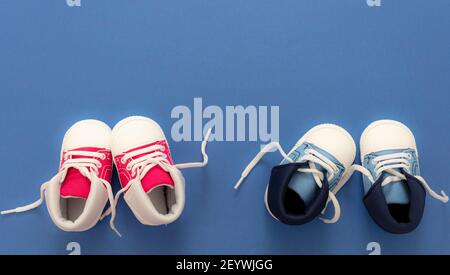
{"x":152,"y":184}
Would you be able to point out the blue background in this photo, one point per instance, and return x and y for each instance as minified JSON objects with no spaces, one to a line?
{"x":320,"y":61}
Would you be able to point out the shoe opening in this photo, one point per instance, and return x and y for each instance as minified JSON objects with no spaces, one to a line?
{"x":400,"y":212}
{"x":293,"y":203}
{"x":72,"y":208}
{"x":163,"y":199}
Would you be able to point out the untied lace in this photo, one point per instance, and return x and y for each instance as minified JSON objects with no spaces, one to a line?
{"x":388,"y":163}
{"x":313,"y":157}
{"x":150,"y":157}
{"x":88,"y":165}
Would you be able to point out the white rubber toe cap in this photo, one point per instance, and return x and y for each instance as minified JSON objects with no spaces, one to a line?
{"x":87,"y":133}
{"x":386,"y":135}
{"x":133,"y":132}
{"x":333,"y":139}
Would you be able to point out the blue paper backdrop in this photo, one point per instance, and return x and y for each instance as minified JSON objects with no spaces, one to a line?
{"x":320,"y":61}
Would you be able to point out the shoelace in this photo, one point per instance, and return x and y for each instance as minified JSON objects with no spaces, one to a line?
{"x":88,"y":167}
{"x":152,"y":156}
{"x":312,"y":157}
{"x":388,"y":163}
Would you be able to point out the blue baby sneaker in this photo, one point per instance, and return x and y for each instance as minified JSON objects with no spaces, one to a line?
{"x":394,"y":190}
{"x":309,"y":176}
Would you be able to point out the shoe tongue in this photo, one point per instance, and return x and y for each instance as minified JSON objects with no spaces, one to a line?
{"x":395,"y":192}
{"x":156,"y":177}
{"x":75,"y":185}
{"x":305,"y":185}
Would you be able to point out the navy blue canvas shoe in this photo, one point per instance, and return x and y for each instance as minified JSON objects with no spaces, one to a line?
{"x":309,"y":176}
{"x":394,"y":190}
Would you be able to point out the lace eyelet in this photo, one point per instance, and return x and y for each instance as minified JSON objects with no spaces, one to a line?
{"x":123,"y":161}
{"x":103,"y":156}
{"x":128,"y":168}
{"x":409,"y":156}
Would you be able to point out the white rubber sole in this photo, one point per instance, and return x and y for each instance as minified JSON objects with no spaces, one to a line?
{"x":131,"y":119}
{"x":99,"y":123}
{"x":266,"y":203}
{"x":387,"y":122}
{"x":323,"y":126}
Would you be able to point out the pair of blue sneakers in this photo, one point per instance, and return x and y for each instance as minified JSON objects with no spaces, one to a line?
{"x":321,"y":162}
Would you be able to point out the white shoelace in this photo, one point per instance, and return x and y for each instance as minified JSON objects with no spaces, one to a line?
{"x":312,"y":157}
{"x":152,"y":156}
{"x":388,"y":163}
{"x":88,"y":167}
